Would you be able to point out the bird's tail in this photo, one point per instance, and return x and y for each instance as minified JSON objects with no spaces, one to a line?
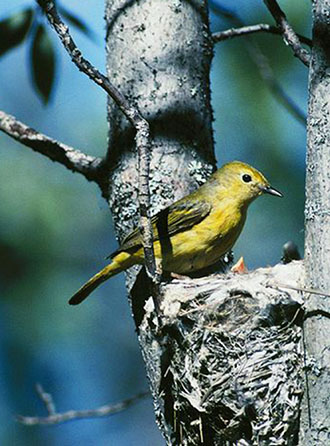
{"x":114,"y":268}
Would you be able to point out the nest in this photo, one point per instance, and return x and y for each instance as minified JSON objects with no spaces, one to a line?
{"x":227,"y":368}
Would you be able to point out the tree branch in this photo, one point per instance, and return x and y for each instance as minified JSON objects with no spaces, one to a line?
{"x":264,"y":67}
{"x":71,"y":158}
{"x":57,"y":418}
{"x":289,"y":35}
{"x":135,"y":118}
{"x":267,"y":74}
{"x":253,"y":29}
{"x":131,"y":112}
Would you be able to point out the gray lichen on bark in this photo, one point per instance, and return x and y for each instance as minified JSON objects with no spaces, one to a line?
{"x":225,"y":367}
{"x":316,"y":409}
{"x":159,"y":54}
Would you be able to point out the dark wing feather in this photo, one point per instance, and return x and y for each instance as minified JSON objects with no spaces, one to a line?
{"x":178,"y":217}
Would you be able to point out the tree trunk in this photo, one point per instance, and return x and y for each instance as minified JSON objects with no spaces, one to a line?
{"x":225,"y":366}
{"x":316,"y":409}
{"x":159,"y":55}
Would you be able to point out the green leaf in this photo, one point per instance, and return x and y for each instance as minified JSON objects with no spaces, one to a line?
{"x":75,"y":21}
{"x":43,"y":63}
{"x":14,"y":29}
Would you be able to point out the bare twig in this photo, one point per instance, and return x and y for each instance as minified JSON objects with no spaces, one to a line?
{"x":47,"y":399}
{"x":253,"y":29}
{"x":289,"y":35}
{"x":71,"y":158}
{"x":264,"y":67}
{"x":243,"y":31}
{"x":130,"y":111}
{"x":57,"y":418}
{"x":136,"y":119}
{"x":267,"y":74}
{"x":295,"y":288}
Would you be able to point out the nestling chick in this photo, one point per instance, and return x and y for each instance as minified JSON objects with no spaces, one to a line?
{"x":194,"y":232}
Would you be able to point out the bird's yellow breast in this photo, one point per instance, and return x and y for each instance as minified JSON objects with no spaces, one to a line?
{"x":203,"y":244}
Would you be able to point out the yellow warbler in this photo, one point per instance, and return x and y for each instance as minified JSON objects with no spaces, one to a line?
{"x":194,"y":232}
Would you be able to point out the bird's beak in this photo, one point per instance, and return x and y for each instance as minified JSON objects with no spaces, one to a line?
{"x":271,"y":190}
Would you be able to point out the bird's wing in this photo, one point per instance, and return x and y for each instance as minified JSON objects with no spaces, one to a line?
{"x":178,"y":217}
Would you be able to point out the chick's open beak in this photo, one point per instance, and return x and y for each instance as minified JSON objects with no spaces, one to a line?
{"x":271,"y":190}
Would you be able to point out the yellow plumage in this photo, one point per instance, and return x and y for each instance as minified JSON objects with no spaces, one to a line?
{"x":194,"y":232}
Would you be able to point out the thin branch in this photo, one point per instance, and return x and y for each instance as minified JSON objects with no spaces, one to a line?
{"x":57,"y":418}
{"x":73,"y":159}
{"x":253,"y":29}
{"x":243,"y":31}
{"x":295,"y":288}
{"x":129,"y":110}
{"x":47,"y":399}
{"x":289,"y":35}
{"x":136,"y":119}
{"x":267,"y":74}
{"x":263,"y":66}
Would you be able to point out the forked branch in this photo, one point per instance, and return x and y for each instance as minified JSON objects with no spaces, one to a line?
{"x":54,"y":417}
{"x":253,"y":29}
{"x":288,"y":33}
{"x":258,"y":56}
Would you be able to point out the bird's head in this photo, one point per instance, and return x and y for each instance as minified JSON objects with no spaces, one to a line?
{"x":243,"y":182}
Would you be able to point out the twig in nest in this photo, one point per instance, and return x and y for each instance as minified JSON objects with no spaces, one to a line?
{"x":277,"y":285}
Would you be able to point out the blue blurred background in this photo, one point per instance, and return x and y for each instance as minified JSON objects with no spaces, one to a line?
{"x":55,"y":229}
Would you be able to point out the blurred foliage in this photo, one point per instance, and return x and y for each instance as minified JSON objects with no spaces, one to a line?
{"x":55,"y":230}
{"x":73,"y":19}
{"x":25,"y":24}
{"x":43,"y":63}
{"x":14,"y":29}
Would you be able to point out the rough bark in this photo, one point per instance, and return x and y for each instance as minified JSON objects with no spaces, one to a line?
{"x":224,"y":367}
{"x":159,"y":54}
{"x":224,"y":362}
{"x":316,"y":410}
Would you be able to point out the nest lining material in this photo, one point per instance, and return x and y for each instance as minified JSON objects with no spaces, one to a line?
{"x":231,"y":359}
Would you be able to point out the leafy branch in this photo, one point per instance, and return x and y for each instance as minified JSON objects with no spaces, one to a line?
{"x":25,"y":25}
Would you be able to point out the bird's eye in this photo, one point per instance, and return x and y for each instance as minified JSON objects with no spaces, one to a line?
{"x":246,"y":178}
